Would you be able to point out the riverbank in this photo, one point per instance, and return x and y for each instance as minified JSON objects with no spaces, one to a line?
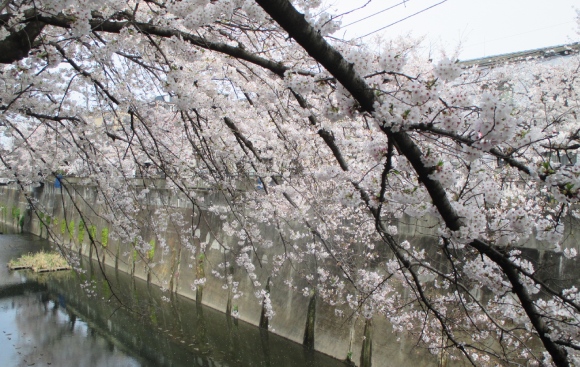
{"x":76,"y":319}
{"x":174,"y":266}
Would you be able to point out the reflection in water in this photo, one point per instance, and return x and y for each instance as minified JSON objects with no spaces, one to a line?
{"x":37,"y":331}
{"x":50,"y":320}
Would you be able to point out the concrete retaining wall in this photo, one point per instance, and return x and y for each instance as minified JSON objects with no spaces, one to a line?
{"x":297,"y":318}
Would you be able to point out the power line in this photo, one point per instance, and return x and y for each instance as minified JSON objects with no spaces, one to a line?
{"x":355,"y":9}
{"x":400,"y":20}
{"x":379,"y":12}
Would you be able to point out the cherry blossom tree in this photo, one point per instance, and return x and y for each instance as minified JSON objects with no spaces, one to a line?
{"x":347,"y":139}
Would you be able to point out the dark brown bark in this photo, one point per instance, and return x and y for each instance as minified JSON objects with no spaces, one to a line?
{"x":298,"y":28}
{"x":559,"y":354}
{"x":18,"y":47}
{"x":18,"y":44}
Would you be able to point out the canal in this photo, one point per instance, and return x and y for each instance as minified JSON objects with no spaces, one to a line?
{"x":91,"y":318}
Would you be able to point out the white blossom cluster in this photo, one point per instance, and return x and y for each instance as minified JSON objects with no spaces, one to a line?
{"x":406,"y":199}
{"x":447,"y":70}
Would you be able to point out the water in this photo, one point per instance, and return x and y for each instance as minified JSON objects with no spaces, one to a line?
{"x":111,"y":319}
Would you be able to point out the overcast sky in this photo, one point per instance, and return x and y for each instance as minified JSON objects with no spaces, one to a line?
{"x":482,"y":27}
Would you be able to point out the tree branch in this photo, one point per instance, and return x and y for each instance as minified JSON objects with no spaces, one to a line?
{"x":298,"y":28}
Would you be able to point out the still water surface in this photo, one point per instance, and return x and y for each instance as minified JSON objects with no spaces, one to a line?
{"x":63,"y":319}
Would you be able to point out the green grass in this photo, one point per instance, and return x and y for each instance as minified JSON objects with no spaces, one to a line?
{"x":71,"y":228}
{"x":93,"y":232}
{"x":105,"y":237}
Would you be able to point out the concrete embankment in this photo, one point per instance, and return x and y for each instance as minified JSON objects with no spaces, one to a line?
{"x":73,"y":217}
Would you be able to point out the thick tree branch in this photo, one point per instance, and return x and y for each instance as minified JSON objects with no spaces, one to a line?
{"x":18,"y":44}
{"x":298,"y":28}
{"x":559,"y":354}
{"x":17,"y":47}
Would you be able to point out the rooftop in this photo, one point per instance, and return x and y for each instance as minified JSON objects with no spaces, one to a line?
{"x":539,"y":53}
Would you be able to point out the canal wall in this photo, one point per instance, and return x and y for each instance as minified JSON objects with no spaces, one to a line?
{"x":170,"y":333}
{"x":174,"y":263}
